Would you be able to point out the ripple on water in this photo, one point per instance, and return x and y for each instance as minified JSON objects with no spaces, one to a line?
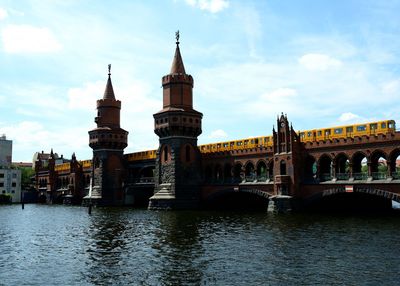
{"x":45,"y":245}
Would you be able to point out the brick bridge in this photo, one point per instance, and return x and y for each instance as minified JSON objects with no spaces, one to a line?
{"x":291,"y":169}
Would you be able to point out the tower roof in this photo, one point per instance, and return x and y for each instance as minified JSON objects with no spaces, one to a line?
{"x":177,"y":63}
{"x":109,"y":91}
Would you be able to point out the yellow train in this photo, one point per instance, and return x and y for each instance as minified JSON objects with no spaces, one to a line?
{"x":346,"y":131}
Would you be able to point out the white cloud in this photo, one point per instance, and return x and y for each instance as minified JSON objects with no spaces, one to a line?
{"x":279,"y":94}
{"x":85,"y":97}
{"x":348,"y":116}
{"x":319,"y":62}
{"x":213,"y":6}
{"x":28,"y":39}
{"x":3,"y":13}
{"x":218,"y":134}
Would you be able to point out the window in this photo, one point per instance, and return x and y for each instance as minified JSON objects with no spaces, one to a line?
{"x":319,"y":132}
{"x":327,"y":132}
{"x":165,"y":153}
{"x":383,"y":125}
{"x":308,"y":134}
{"x":391,"y":125}
{"x":373,"y":126}
{"x":349,"y":129}
{"x":239,"y":143}
{"x":225,"y":145}
{"x":187,"y":153}
{"x":302,"y":135}
{"x":14,"y":175}
{"x":338,"y":130}
{"x":4,"y":191}
{"x":14,"y":184}
{"x":13,"y":192}
{"x":1,"y":175}
{"x":361,"y":127}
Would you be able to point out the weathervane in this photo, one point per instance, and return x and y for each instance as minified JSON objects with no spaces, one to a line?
{"x":177,"y":37}
{"x":109,"y":69}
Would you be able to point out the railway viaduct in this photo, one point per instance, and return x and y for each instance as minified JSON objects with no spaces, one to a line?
{"x":288,"y":174}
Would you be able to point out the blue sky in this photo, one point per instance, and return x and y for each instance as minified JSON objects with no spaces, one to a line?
{"x":324,"y":63}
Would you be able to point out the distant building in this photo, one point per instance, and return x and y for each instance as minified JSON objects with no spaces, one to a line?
{"x":10,"y":179}
{"x":5,"y":152}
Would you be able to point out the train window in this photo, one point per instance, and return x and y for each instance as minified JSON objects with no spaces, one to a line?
{"x":256,"y":140}
{"x":308,"y":134}
{"x":383,"y":125}
{"x":302,"y":135}
{"x":319,"y":132}
{"x":327,"y":132}
{"x":232,"y":144}
{"x":245,"y":142}
{"x":391,"y":124}
{"x":349,"y":129}
{"x":338,"y":131}
{"x":239,"y":143}
{"x":361,"y":127}
{"x":373,"y":126}
{"x":218,"y":145}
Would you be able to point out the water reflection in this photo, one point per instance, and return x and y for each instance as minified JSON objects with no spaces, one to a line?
{"x":180,"y":249}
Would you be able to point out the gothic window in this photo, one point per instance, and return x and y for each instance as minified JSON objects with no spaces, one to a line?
{"x":165,"y":153}
{"x":283,"y":167}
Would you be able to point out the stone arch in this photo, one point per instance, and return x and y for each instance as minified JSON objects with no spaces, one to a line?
{"x":310,"y":170}
{"x":261,"y":170}
{"x":394,"y":163}
{"x":238,"y":199}
{"x":208,"y":173}
{"x":227,"y":172}
{"x":146,"y":172}
{"x":385,"y":197}
{"x":325,"y":167}
{"x":378,"y":164}
{"x":237,"y":172}
{"x":187,"y":153}
{"x":342,"y":166}
{"x":218,"y":173}
{"x":249,"y":171}
{"x":359,"y":163}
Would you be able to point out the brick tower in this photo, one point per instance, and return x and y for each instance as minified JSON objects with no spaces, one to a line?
{"x":177,"y":172}
{"x":286,"y":147}
{"x":108,"y":142}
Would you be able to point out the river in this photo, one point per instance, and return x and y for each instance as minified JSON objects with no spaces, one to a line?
{"x":64,"y":245}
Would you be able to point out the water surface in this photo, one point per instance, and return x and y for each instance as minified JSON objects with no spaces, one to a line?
{"x":49,"y":245}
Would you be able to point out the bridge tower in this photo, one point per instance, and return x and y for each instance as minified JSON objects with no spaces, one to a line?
{"x":177,"y":172}
{"x":286,"y":161}
{"x":108,"y":141}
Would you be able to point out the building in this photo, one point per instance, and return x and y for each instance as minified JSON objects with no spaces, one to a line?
{"x":10,"y":178}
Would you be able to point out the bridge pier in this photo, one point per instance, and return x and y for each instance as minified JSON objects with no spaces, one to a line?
{"x":280,"y":204}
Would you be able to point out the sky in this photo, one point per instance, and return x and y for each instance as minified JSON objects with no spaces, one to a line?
{"x":323,"y":63}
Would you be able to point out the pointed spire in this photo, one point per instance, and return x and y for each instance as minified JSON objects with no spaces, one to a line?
{"x":177,"y":63}
{"x":109,"y":92}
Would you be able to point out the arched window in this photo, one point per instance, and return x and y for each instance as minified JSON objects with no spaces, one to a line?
{"x":165,"y":153}
{"x":283,"y":167}
{"x":187,"y":153}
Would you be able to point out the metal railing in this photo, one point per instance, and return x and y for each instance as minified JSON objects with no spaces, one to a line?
{"x":325,"y":177}
{"x":379,"y":175}
{"x":396,"y":175}
{"x":360,"y":176}
{"x":342,"y":176}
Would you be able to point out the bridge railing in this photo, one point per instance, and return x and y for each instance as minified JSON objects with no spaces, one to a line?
{"x":379,"y":175}
{"x":342,"y":176}
{"x":396,"y":175}
{"x":360,"y":176}
{"x":325,"y":177}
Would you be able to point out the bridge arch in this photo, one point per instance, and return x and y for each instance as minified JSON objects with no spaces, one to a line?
{"x":394,"y":163}
{"x":359,"y":162}
{"x":234,"y":199}
{"x":310,"y":170}
{"x":378,"y":163}
{"x":261,"y":170}
{"x":342,"y":166}
{"x":249,"y":170}
{"x":237,"y":172}
{"x":361,"y":199}
{"x":208,"y":173}
{"x":227,"y":172}
{"x":218,"y":173}
{"x":325,"y":167}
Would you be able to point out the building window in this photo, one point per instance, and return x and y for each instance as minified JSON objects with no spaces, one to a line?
{"x":165,"y":153}
{"x":4,"y":191}
{"x":14,"y":184}
{"x":13,"y":192}
{"x":1,"y":175}
{"x":14,"y":175}
{"x":1,"y":184}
